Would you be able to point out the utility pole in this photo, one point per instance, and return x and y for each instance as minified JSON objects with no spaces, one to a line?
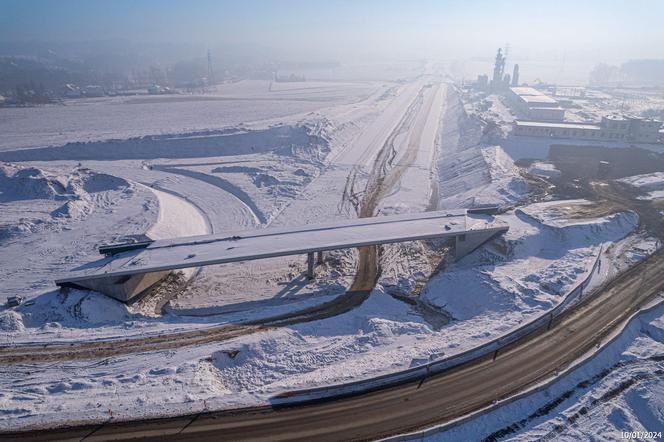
{"x":210,"y":74}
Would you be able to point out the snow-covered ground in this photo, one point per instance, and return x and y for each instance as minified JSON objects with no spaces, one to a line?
{"x":244,"y":177}
{"x":598,"y":103}
{"x":94,"y":119}
{"x":61,"y":202}
{"x":619,"y":390}
{"x":543,"y":169}
{"x":541,"y":258}
{"x":470,"y":172}
{"x":651,"y":185}
{"x":51,"y":220}
{"x":382,"y":335}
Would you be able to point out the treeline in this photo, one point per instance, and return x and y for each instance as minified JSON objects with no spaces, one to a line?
{"x":631,"y":73}
{"x":31,"y":93}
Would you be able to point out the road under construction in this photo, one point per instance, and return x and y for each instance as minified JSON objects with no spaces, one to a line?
{"x":539,"y":357}
{"x":132,"y":268}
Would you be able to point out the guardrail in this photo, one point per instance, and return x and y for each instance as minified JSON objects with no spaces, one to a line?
{"x":427,"y":432}
{"x":114,"y":249}
{"x":488,"y":349}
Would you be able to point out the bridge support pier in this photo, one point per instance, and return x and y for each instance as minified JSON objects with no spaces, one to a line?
{"x":310,"y":265}
{"x":319,"y":258}
{"x":122,"y":288}
{"x":469,"y":241}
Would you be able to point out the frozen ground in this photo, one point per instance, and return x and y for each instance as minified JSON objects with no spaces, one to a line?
{"x":94,"y":119}
{"x":301,"y":169}
{"x":642,"y":102}
{"x":543,"y":169}
{"x":382,"y":335}
{"x":651,"y":185}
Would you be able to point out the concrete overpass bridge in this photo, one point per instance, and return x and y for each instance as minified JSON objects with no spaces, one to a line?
{"x":129,"y":269}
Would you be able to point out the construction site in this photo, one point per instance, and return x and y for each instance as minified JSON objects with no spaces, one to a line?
{"x":331,"y":246}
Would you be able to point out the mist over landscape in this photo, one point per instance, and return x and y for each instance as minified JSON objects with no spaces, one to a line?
{"x":343,"y":220}
{"x":114,"y":43}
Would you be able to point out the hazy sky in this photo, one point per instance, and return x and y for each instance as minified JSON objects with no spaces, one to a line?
{"x":605,"y":30}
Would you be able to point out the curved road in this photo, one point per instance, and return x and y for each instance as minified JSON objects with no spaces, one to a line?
{"x":381,"y":180}
{"x":414,"y":405}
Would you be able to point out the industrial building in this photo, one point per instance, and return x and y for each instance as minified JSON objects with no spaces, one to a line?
{"x":72,"y":91}
{"x":614,"y":127}
{"x":500,"y":80}
{"x":93,"y":91}
{"x":532,"y":104}
{"x":482,"y":82}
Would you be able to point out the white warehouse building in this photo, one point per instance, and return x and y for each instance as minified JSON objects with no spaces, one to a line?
{"x":532,"y":104}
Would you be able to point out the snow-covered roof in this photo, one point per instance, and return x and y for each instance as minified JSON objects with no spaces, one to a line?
{"x":537,"y":99}
{"x":545,"y":124}
{"x":525,"y":90}
{"x":546,"y":107}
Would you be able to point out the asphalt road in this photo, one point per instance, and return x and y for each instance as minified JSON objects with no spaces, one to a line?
{"x":440,"y":398}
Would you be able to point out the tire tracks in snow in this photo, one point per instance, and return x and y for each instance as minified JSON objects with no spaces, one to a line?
{"x":239,"y":194}
{"x":486,"y":383}
{"x":383,"y":177}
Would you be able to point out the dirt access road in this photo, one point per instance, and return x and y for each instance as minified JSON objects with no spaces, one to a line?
{"x":384,"y":175}
{"x":410,"y":406}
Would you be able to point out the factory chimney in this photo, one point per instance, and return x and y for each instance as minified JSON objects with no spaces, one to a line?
{"x":210,"y":74}
{"x":515,"y":75}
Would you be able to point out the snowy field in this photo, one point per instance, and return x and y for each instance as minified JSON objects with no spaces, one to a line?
{"x":641,"y":102}
{"x":301,"y":156}
{"x":94,"y":119}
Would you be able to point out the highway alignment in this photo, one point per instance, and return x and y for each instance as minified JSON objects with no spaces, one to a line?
{"x":414,"y":405}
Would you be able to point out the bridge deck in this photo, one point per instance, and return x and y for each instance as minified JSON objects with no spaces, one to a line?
{"x":222,"y":248}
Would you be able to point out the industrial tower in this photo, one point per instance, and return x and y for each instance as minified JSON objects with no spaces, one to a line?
{"x":498,"y":67}
{"x":515,"y":75}
{"x":210,"y":74}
